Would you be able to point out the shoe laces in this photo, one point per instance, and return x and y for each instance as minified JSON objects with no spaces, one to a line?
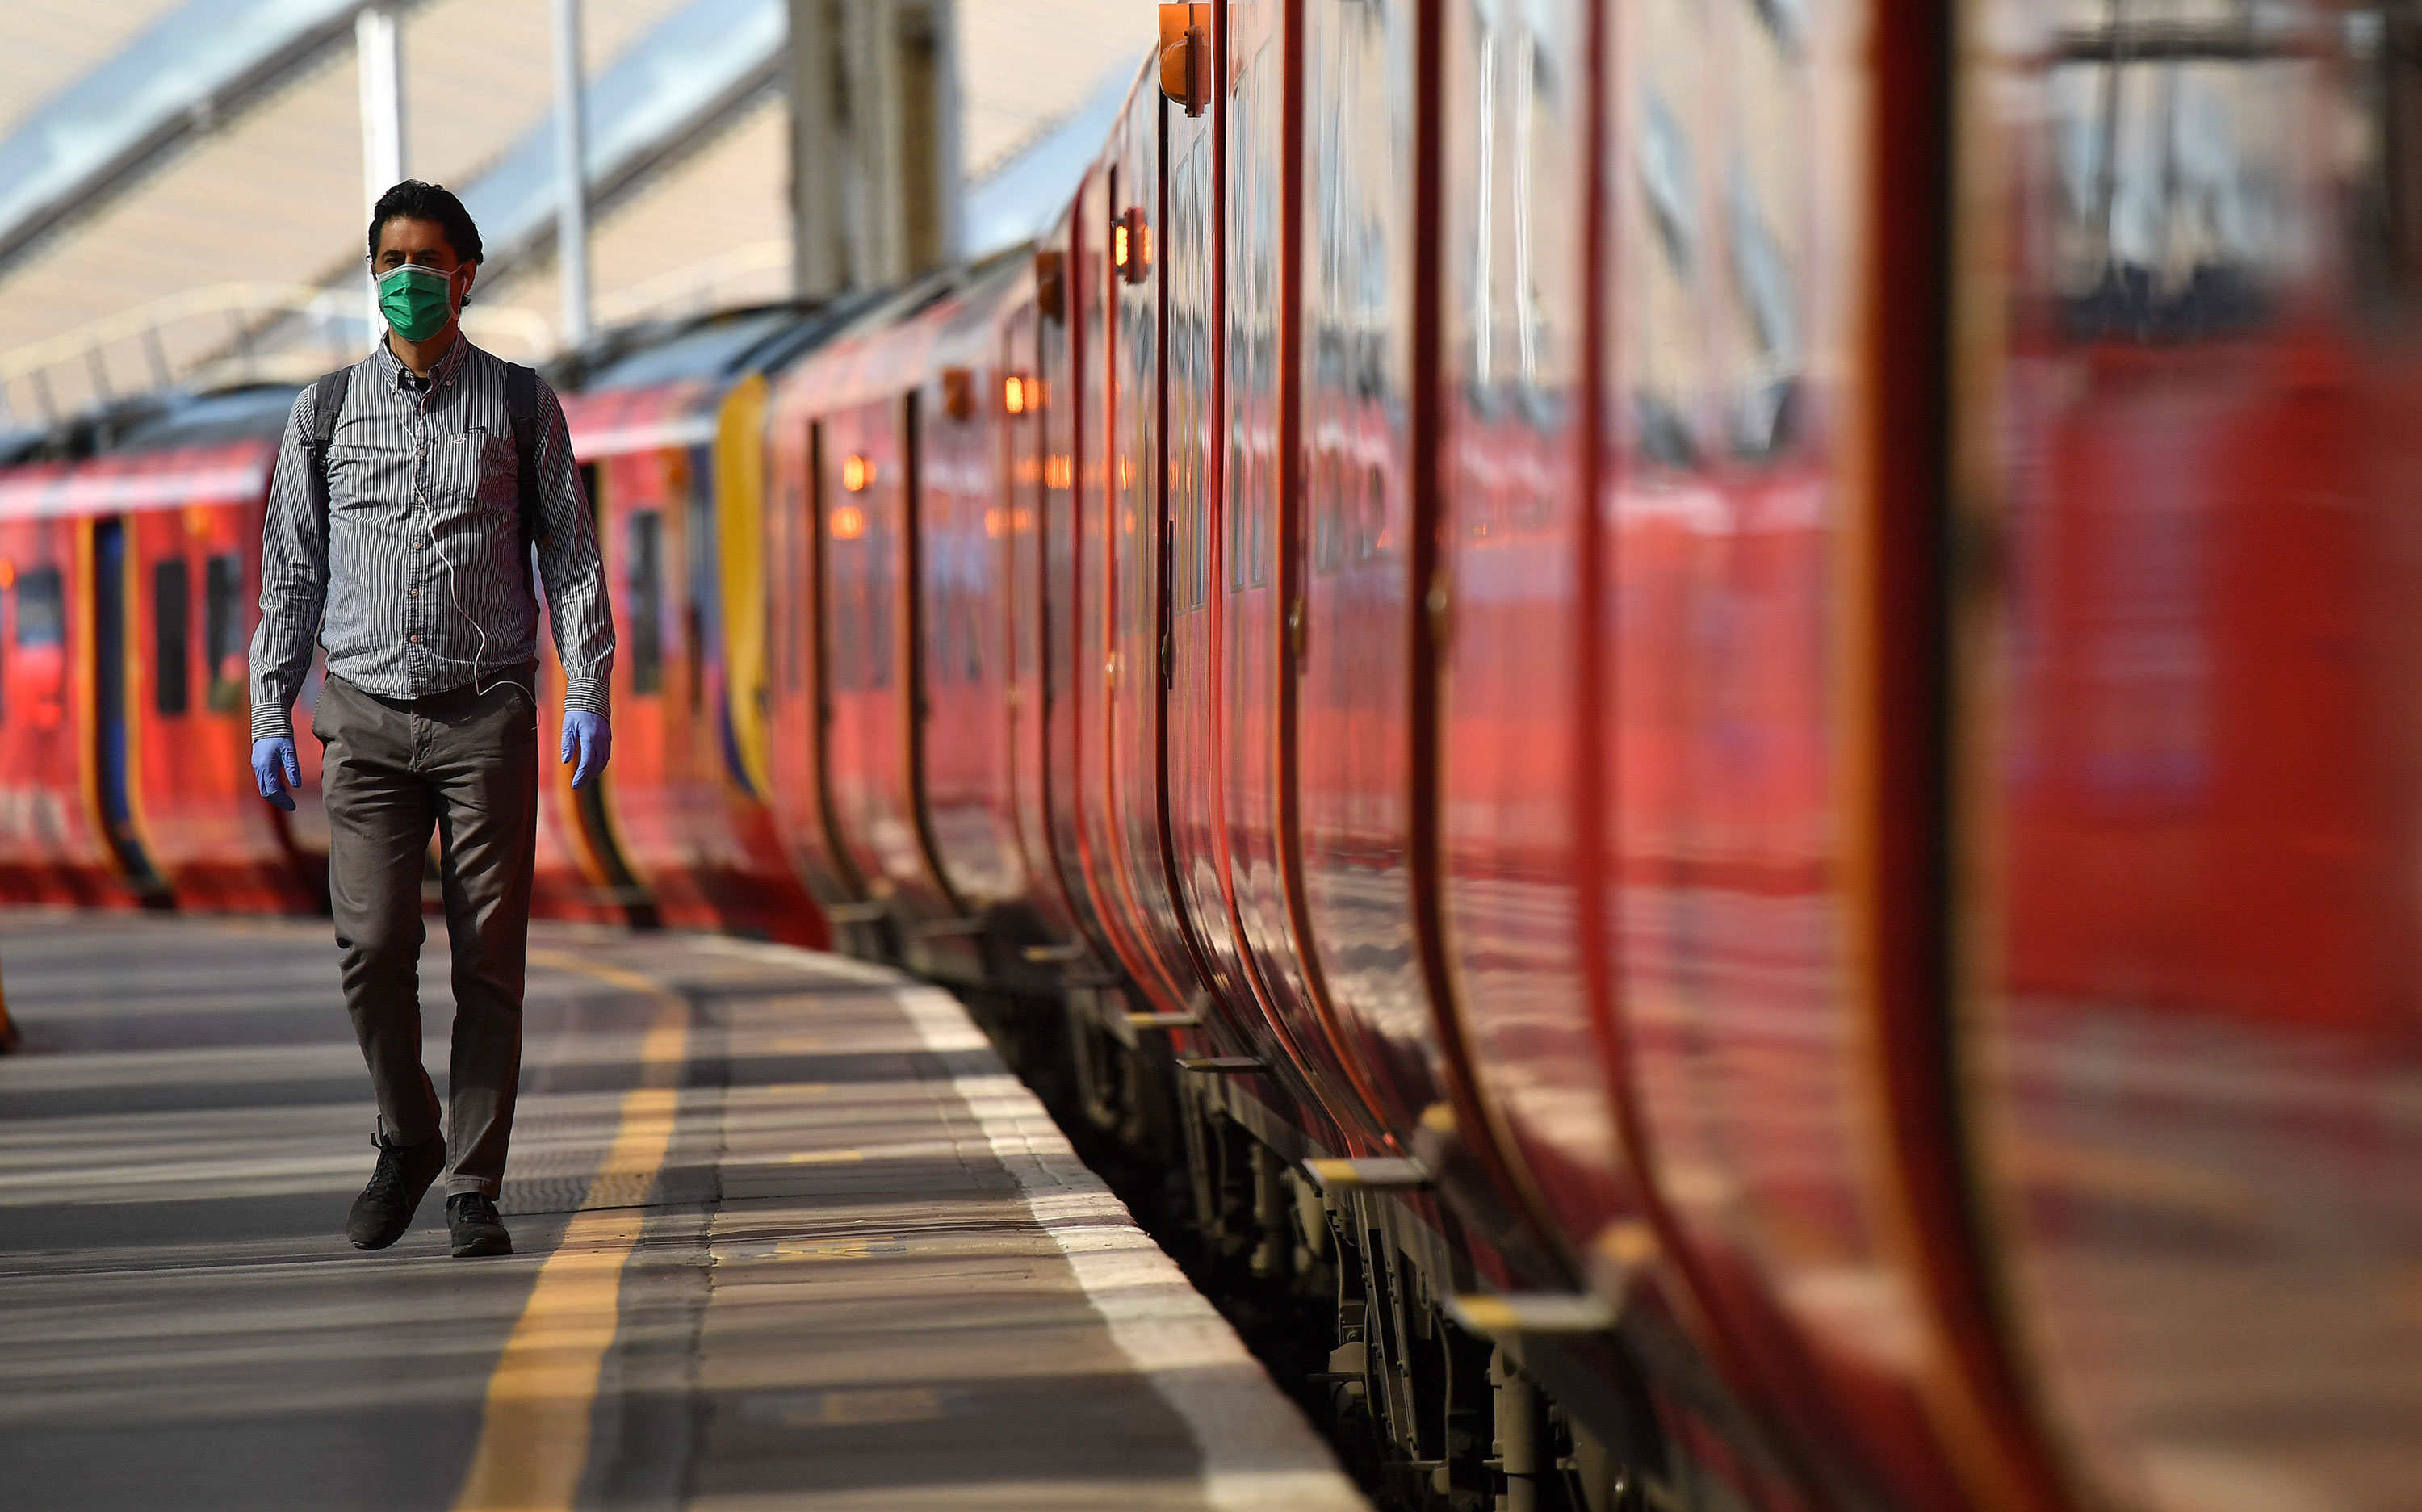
{"x":476,"y":1207}
{"x":388,"y":1180}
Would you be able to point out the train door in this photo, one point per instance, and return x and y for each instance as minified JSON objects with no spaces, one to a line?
{"x":1194,"y":275}
{"x":1261,"y":633}
{"x":1138,"y":573}
{"x":579,"y":873}
{"x":1103,"y":552}
{"x":868,"y":594}
{"x":113,"y":753}
{"x":53,"y":849}
{"x":641,"y":525}
{"x":1071,"y":689}
{"x":797,"y":672}
{"x":964,"y":533}
{"x":2187,"y":283}
{"x":1354,"y":733}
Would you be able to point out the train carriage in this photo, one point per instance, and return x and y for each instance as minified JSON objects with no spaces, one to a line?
{"x":668,"y":441}
{"x":56,"y":847}
{"x":135,"y":575}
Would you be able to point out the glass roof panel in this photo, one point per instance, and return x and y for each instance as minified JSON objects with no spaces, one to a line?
{"x":152,"y":92}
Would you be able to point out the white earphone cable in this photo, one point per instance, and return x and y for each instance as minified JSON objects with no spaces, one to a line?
{"x":453,"y":588}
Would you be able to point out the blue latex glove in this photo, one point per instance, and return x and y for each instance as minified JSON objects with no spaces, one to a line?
{"x":594,"y":738}
{"x":274,"y":768}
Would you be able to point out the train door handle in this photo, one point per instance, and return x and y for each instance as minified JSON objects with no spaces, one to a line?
{"x":1296,"y":631}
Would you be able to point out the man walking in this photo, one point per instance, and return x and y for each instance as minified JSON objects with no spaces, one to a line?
{"x":411,"y":491}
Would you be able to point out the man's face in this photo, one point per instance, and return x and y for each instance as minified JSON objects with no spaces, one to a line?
{"x":422,"y":242}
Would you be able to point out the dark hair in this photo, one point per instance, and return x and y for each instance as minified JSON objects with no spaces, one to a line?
{"x":414,"y":201}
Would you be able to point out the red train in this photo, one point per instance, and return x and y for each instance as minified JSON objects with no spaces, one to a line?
{"x":1708,"y":707}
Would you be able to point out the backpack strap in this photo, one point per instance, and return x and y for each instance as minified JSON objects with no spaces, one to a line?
{"x":521,"y":404}
{"x":327,"y":403}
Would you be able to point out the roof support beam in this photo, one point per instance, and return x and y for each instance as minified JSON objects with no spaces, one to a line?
{"x":378,"y":41}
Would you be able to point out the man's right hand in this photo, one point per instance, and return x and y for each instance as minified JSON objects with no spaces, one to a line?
{"x":275,"y":767}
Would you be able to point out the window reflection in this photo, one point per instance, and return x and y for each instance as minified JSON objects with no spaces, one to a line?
{"x":2174,"y":131}
{"x":1718,"y":183}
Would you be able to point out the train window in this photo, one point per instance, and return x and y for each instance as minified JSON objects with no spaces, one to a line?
{"x":41,"y":608}
{"x":876,"y":585}
{"x":1329,"y":507}
{"x":941,"y":523}
{"x":223,"y":632}
{"x":694,"y":654}
{"x":643,"y":601}
{"x":2177,"y":186}
{"x":789,"y":645}
{"x":1371,"y":515}
{"x":172,"y":619}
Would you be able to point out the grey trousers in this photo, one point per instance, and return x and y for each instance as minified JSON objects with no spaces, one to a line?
{"x":466,"y":762}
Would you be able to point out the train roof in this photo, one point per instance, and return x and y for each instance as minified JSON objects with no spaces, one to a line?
{"x":255,"y":411}
{"x":722,"y":346}
{"x":945,"y":319}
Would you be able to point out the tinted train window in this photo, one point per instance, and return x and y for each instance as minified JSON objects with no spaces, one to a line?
{"x":41,"y":610}
{"x":172,"y":618}
{"x":223,"y":631}
{"x":644,"y":603}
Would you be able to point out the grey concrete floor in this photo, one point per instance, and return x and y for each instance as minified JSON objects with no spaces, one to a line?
{"x":788,"y":1235}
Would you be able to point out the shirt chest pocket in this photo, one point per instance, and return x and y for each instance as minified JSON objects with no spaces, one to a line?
{"x":490,"y":467}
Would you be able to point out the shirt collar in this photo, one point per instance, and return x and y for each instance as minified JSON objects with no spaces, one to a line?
{"x":397,"y":375}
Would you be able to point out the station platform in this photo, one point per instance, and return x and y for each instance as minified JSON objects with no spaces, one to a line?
{"x":788,"y":1235}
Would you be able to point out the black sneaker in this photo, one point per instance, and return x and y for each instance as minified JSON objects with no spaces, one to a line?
{"x":471,"y":1218}
{"x":385,"y":1208}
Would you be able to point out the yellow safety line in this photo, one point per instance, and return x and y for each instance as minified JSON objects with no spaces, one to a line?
{"x":534,"y":1442}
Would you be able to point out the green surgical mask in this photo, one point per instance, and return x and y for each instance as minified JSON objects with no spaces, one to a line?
{"x":417,"y":301}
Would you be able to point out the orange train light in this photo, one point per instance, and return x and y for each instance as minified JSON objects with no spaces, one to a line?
{"x":1015,"y":396}
{"x":856,"y":473}
{"x":848,"y":522}
{"x":1132,"y":245}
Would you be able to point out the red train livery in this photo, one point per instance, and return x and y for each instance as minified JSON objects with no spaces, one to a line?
{"x":1706,"y":711}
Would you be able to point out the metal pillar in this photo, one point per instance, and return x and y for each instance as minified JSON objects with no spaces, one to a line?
{"x":571,"y":173}
{"x":874,"y":142}
{"x":820,"y":180}
{"x":377,"y":40}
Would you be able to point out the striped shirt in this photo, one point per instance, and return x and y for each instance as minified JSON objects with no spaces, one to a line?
{"x":414,"y":581}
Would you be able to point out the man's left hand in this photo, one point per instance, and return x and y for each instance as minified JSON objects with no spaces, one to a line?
{"x":593,"y":738}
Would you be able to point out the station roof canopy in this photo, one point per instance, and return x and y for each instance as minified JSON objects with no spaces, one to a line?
{"x":196,"y":63}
